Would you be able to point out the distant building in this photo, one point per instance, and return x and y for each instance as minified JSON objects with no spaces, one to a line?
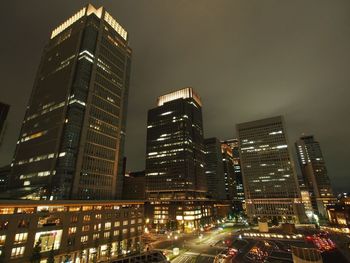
{"x":238,"y":198}
{"x":270,"y":183}
{"x":134,"y":187}
{"x":175,"y":178}
{"x":4,"y":109}
{"x":73,"y":231}
{"x":339,"y":213}
{"x":214,"y":169}
{"x":314,"y":177}
{"x":229,"y":173}
{"x":71,"y":142}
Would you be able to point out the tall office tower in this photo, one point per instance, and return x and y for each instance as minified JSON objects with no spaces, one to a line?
{"x":238,"y":197}
{"x":4,"y":109}
{"x":175,"y":178}
{"x":270,"y":183}
{"x":214,"y":169}
{"x":175,"y":151}
{"x":229,"y":175}
{"x":314,"y":173}
{"x":72,"y":138}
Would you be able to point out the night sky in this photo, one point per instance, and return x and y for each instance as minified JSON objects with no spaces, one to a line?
{"x":246,"y":59}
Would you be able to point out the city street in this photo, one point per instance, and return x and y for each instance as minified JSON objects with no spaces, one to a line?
{"x":202,"y":248}
{"x":193,"y":247}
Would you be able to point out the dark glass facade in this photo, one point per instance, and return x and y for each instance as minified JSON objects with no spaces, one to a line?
{"x":238,"y":197}
{"x":229,"y":175}
{"x":214,"y":169}
{"x":314,"y":177}
{"x":175,"y":151}
{"x":72,"y":139}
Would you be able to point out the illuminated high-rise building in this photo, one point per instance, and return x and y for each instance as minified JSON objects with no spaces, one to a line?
{"x":230,"y":148}
{"x":229,"y":175}
{"x":270,"y":183}
{"x":175,"y":150}
{"x":175,"y":180}
{"x":314,"y":174}
{"x":72,"y":138}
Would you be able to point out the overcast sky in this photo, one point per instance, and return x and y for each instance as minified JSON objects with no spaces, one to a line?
{"x":246,"y":59}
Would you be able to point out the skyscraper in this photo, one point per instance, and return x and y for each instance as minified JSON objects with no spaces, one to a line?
{"x":229,"y":175}
{"x":175,"y":151}
{"x":239,"y":198}
{"x":270,"y":183}
{"x":72,"y":138}
{"x":4,"y":109}
{"x":175,"y":179}
{"x":314,"y":173}
{"x":214,"y":169}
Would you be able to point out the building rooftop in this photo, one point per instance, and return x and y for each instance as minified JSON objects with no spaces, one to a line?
{"x":86,"y":11}
{"x":9,"y":203}
{"x":184,"y":93}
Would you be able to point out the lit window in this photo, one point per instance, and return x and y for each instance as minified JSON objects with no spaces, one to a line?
{"x":74,"y":219}
{"x":17,"y":252}
{"x":106,"y":234}
{"x":2,"y":240}
{"x":6,"y":211}
{"x":25,"y":210}
{"x":87,"y":208}
{"x":84,"y":239}
{"x":72,"y":230}
{"x":97,"y":227}
{"x":108,"y":225}
{"x":85,"y":228}
{"x":74,"y":209}
{"x":48,"y":239}
{"x":21,"y":238}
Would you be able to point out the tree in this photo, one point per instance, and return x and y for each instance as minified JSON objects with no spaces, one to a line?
{"x":36,"y":256}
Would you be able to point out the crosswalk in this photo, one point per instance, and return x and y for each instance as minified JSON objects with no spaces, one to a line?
{"x":191,"y":257}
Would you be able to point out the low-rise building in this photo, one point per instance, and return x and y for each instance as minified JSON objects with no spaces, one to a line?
{"x":184,"y":215}
{"x":339,"y":213}
{"x":69,"y":230}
